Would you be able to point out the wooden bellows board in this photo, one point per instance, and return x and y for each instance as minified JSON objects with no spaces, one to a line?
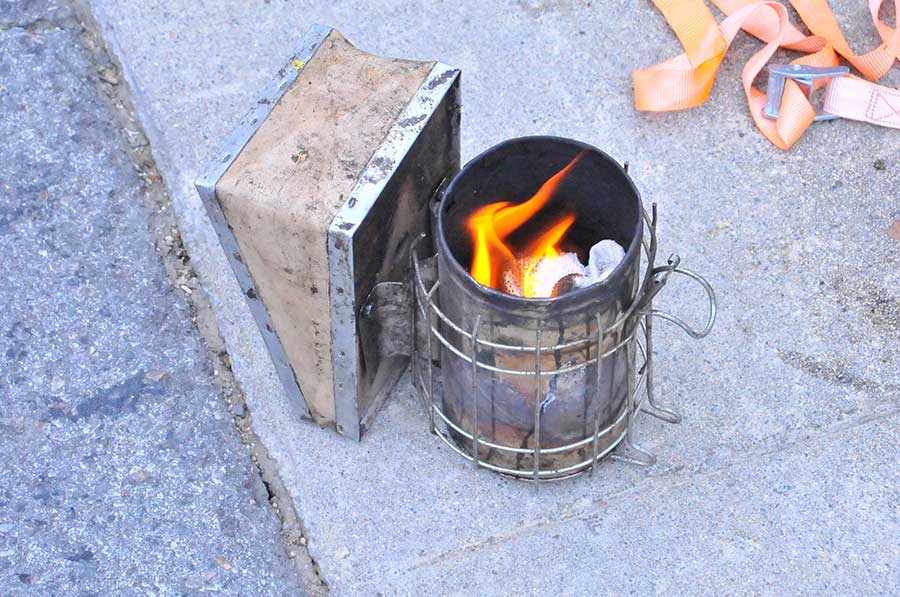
{"x":317,"y":197}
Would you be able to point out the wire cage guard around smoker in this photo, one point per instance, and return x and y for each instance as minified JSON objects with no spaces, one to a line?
{"x":636,"y":324}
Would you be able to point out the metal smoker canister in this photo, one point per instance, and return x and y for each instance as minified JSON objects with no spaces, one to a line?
{"x":530,"y":353}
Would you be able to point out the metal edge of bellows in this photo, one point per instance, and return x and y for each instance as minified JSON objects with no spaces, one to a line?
{"x":206,"y":187}
{"x":371,"y":183}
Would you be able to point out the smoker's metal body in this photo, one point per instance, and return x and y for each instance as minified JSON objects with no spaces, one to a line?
{"x":574,"y":389}
{"x":542,"y":388}
{"x":356,"y":225}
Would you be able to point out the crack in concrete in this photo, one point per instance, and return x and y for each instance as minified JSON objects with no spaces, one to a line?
{"x":835,"y":372}
{"x":677,"y":478}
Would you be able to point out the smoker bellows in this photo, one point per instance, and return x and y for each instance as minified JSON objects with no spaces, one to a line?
{"x":317,"y":196}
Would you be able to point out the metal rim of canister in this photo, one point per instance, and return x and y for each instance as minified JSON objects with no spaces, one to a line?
{"x":458,"y":271}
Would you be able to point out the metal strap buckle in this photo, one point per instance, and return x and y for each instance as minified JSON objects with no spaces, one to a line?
{"x":804,"y":76}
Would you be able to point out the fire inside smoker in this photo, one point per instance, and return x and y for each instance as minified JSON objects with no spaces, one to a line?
{"x":539,"y":267}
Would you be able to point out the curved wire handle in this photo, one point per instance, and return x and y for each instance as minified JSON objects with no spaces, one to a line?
{"x":673,"y":268}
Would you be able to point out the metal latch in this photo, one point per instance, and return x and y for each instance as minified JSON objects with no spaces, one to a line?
{"x":385,"y":320}
{"x":803,"y":75}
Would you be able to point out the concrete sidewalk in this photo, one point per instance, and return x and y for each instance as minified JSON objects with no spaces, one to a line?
{"x":122,"y":472}
{"x":783,"y":477}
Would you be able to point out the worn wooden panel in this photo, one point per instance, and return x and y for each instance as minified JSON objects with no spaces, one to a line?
{"x":283,"y":190}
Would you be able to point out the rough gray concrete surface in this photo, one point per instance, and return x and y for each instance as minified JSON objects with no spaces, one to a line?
{"x":122,"y":471}
{"x":784,"y":476}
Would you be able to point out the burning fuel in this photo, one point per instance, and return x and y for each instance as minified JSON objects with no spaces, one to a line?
{"x":529,"y":271}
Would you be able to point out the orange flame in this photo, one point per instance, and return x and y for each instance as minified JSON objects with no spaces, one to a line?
{"x":490,"y":225}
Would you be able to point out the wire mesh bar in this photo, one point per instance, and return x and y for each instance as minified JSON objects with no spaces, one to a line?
{"x":420,"y":288}
{"x":595,"y":446}
{"x":568,"y":369}
{"x":544,"y":475}
{"x":413,"y":326}
{"x":538,"y":403}
{"x":652,"y":408}
{"x":475,"y":330}
{"x":522,"y":348}
{"x":430,"y":358}
{"x":528,"y":451}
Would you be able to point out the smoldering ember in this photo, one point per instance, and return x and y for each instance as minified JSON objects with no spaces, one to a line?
{"x":294,"y":307}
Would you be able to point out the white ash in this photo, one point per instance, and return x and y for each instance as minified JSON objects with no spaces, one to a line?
{"x":602,"y":260}
{"x":543,"y":275}
{"x":549,"y":271}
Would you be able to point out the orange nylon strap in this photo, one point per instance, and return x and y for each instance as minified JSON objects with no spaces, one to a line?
{"x":685,"y":81}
